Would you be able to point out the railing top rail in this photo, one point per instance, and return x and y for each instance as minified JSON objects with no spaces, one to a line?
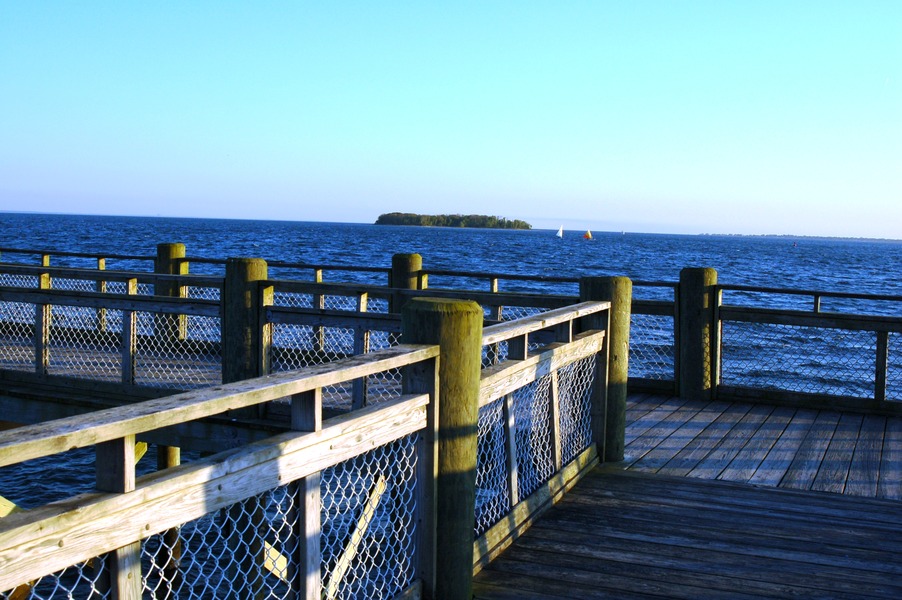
{"x":136,"y":302}
{"x":290,"y":265}
{"x":495,"y":298}
{"x":110,"y":275}
{"x":52,"y":437}
{"x":331,"y":289}
{"x":76,"y":254}
{"x":803,"y":292}
{"x":505,"y":331}
{"x":493,"y":275}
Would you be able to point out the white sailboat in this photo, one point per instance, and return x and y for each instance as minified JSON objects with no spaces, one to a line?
{"x":560,"y":232}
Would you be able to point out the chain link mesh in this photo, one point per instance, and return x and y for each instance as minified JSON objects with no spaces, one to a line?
{"x":86,"y":343}
{"x":327,"y":301}
{"x":78,"y":347}
{"x":383,"y":480}
{"x":651,"y":347}
{"x":492,"y":496}
{"x":575,"y":402}
{"x":86,"y":580}
{"x":532,"y":410}
{"x":298,"y":346}
{"x":798,"y":358}
{"x":14,"y":280}
{"x":893,"y":367}
{"x":17,"y":336}
{"x":178,"y":351}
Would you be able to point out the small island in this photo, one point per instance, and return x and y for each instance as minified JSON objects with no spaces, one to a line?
{"x":480,"y":221}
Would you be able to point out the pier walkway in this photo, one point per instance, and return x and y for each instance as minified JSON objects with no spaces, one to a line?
{"x":723,"y":500}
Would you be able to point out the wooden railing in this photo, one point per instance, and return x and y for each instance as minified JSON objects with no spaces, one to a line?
{"x":109,"y":525}
{"x":107,"y":532}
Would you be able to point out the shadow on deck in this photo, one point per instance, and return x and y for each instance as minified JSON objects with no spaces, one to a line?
{"x":723,"y":500}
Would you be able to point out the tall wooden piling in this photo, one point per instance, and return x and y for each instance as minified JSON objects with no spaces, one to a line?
{"x":242,"y":303}
{"x":406,"y":274}
{"x":696,"y":328}
{"x":170,"y":261}
{"x":456,"y":326}
{"x":609,"y":411}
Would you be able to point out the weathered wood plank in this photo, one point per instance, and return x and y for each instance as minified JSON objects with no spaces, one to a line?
{"x":636,"y":451}
{"x":864,"y":471}
{"x":651,"y":418}
{"x":724,"y":451}
{"x":33,"y":441}
{"x":890,"y":484}
{"x":698,"y":448}
{"x":753,"y":453}
{"x":774,"y":466}
{"x":679,"y":439}
{"x":509,"y":329}
{"x":804,"y":467}
{"x":504,"y":378}
{"x":47,"y":539}
{"x":834,"y":469}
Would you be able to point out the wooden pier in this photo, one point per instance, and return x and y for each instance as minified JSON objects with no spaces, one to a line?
{"x":722,"y":500}
{"x":701,"y":483}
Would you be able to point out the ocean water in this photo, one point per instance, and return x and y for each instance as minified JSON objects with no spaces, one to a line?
{"x":836,"y":265}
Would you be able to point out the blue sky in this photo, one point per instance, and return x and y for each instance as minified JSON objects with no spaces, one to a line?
{"x":686,"y":117}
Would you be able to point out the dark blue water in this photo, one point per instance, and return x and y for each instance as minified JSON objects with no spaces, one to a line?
{"x":847,"y":265}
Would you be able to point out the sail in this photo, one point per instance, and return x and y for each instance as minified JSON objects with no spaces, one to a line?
{"x":560,"y":232}
{"x":588,"y":235}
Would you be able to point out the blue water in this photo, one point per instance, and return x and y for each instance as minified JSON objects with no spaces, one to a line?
{"x":847,"y":265}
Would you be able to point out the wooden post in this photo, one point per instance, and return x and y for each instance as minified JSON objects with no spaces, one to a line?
{"x":43,"y":319}
{"x":456,"y":326}
{"x":129,"y":337}
{"x":405,"y":275}
{"x":100,"y":286}
{"x":171,"y":552}
{"x":422,"y":378}
{"x":116,"y":474}
{"x":612,"y":371}
{"x":170,"y":261}
{"x":306,"y":415}
{"x":697,"y":326}
{"x":242,"y":351}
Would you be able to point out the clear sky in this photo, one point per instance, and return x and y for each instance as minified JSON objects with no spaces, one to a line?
{"x":728,"y":116}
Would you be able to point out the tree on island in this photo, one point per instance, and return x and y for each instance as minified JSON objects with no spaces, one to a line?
{"x":479,"y":221}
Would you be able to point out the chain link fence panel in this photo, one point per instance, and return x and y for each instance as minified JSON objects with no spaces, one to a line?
{"x":575,"y":383}
{"x":651,"y":347}
{"x":798,"y":358}
{"x":492,"y":495}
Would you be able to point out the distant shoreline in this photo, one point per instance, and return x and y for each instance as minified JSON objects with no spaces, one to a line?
{"x":472,"y":221}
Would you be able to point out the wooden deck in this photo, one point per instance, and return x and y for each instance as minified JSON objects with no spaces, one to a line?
{"x":723,"y":500}
{"x":778,"y":446}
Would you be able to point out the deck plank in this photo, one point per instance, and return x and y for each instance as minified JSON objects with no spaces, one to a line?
{"x":679,"y":439}
{"x":729,"y":446}
{"x":651,"y":418}
{"x":628,"y":534}
{"x":864,"y":471}
{"x":890,"y":483}
{"x":697,"y":449}
{"x":660,"y":431}
{"x":750,"y":456}
{"x":776,"y":463}
{"x":834,"y":469}
{"x":805,"y":465}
